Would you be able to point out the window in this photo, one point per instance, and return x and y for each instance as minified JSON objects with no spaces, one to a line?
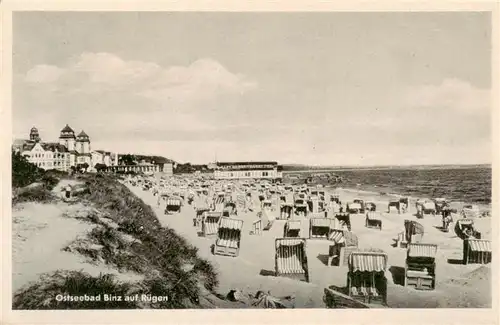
{"x":265,"y":174}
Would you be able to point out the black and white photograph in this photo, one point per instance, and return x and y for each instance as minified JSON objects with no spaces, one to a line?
{"x":251,"y":160}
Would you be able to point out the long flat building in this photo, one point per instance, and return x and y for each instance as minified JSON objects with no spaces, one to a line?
{"x":248,"y":170}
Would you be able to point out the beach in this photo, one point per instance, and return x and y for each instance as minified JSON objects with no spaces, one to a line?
{"x":457,"y":285}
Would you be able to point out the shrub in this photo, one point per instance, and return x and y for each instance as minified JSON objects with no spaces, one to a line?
{"x":158,"y":248}
{"x":33,"y":194}
{"x":50,"y":181}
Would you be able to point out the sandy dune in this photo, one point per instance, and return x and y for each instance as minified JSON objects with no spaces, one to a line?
{"x":40,"y":232}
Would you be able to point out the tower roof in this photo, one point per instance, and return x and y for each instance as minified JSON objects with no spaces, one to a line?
{"x":34,"y":129}
{"x":83,"y":135}
{"x":67,"y":129}
{"x":67,"y":133}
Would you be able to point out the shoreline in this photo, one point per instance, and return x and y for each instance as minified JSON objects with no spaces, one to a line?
{"x":382,"y":195}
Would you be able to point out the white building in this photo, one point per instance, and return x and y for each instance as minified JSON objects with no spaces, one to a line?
{"x":103,"y":157}
{"x":70,"y":151}
{"x":248,"y":170}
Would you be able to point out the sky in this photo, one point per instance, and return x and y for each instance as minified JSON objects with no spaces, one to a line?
{"x":333,"y":88}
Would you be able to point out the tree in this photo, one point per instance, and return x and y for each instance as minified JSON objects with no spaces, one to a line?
{"x":128,"y":159}
{"x":100,"y":167}
{"x":24,"y":172}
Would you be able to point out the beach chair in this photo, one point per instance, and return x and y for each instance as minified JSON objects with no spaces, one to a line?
{"x":218,"y":204}
{"x":241,"y":202}
{"x":335,"y":198}
{"x":366,"y":279}
{"x":268,"y":218}
{"x":301,"y":208}
{"x":286,"y":211}
{"x":197,"y":220}
{"x":370,"y":206}
{"x":291,"y":258}
{"x":210,"y":223}
{"x":174,"y":204}
{"x":420,"y":266}
{"x":354,"y":207}
{"x":229,"y":209}
{"x":292,"y":229}
{"x":319,"y":228}
{"x":228,"y":237}
{"x":322,"y":214}
{"x":413,"y":233}
{"x":373,"y":220}
{"x":476,"y":251}
{"x":342,"y":244}
{"x":275,"y":203}
{"x":344,"y":220}
{"x":464,"y":228}
{"x":314,"y":205}
{"x":266,"y":204}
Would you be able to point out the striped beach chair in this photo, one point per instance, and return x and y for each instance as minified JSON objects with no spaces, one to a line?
{"x":342,"y":244}
{"x":373,"y":220}
{"x":210,"y":223}
{"x":228,"y":237}
{"x":477,"y":251}
{"x":241,"y":202}
{"x":218,"y":204}
{"x":174,"y":204}
{"x":319,"y":228}
{"x":291,"y":258}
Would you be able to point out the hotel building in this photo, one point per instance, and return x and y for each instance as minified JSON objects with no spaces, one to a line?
{"x":248,"y":170}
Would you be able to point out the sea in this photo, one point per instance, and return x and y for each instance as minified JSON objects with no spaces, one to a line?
{"x":463,"y":184}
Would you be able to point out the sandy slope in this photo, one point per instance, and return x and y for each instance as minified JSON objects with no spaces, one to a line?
{"x":251,"y":270}
{"x":40,"y":232}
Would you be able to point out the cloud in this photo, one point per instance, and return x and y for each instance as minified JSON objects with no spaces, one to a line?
{"x":96,"y":73}
{"x":452,"y":94}
{"x":44,"y":74}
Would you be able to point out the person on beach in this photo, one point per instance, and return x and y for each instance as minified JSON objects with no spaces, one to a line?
{"x":68,"y":191}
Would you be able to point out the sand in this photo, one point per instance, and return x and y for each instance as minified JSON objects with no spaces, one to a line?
{"x":253,"y":269}
{"x":40,"y":232}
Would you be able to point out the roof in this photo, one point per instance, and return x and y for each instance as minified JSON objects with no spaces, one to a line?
{"x":480,"y":245}
{"x":67,"y":129}
{"x":229,"y":223}
{"x":336,"y":235}
{"x":374,"y":215}
{"x":422,"y":250}
{"x":367,"y":262}
{"x":54,"y":147}
{"x":414,"y":227}
{"x":83,"y":134}
{"x":290,"y":241}
{"x":247,"y":163}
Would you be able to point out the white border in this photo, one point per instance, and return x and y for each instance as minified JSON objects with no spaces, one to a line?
{"x":327,"y":316}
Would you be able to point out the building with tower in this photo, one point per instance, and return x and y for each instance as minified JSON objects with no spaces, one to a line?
{"x":71,"y":150}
